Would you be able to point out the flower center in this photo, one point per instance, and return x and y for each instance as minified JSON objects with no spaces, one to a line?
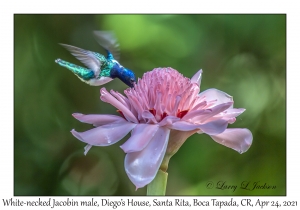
{"x":160,"y":93}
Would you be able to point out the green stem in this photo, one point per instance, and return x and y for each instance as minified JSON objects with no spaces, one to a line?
{"x":159,"y":184}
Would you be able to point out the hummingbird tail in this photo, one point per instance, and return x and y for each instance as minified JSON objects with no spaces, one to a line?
{"x":83,"y":73}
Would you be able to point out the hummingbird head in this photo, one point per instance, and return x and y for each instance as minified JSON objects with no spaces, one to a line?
{"x":125,"y":75}
{"x":128,"y":77}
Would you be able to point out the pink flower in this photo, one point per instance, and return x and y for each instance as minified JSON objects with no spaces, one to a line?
{"x":163,"y":102}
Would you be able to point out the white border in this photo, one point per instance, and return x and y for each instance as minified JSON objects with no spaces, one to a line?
{"x":154,"y":6}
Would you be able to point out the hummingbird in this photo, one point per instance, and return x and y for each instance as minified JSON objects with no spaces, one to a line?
{"x":100,"y":69}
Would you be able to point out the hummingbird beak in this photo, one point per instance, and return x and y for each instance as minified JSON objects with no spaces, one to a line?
{"x":132,"y":82}
{"x":131,"y":85}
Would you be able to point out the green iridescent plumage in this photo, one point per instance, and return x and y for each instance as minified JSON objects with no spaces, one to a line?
{"x":85,"y":73}
{"x":105,"y":72}
{"x":106,"y":65}
{"x":82,"y":73}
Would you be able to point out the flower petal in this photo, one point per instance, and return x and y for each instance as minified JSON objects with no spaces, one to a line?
{"x":140,"y":137}
{"x":197,"y":77}
{"x":141,"y":167}
{"x":229,"y":113}
{"x":169,"y":120}
{"x":239,"y":139}
{"x":148,"y":115}
{"x":97,"y":119}
{"x":214,"y":127}
{"x":105,"y":135}
{"x":210,"y":128}
{"x":206,"y":117}
{"x":230,"y":120}
{"x":213,"y":94}
{"x":183,"y":126}
{"x":107,"y":97}
{"x":196,"y":113}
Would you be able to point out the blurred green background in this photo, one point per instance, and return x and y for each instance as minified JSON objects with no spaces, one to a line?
{"x":243,"y":55}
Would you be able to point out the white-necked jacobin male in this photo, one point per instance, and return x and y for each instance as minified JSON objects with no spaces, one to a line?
{"x":100,"y":69}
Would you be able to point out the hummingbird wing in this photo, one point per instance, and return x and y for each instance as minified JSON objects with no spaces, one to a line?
{"x":108,"y":40}
{"x":88,"y":58}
